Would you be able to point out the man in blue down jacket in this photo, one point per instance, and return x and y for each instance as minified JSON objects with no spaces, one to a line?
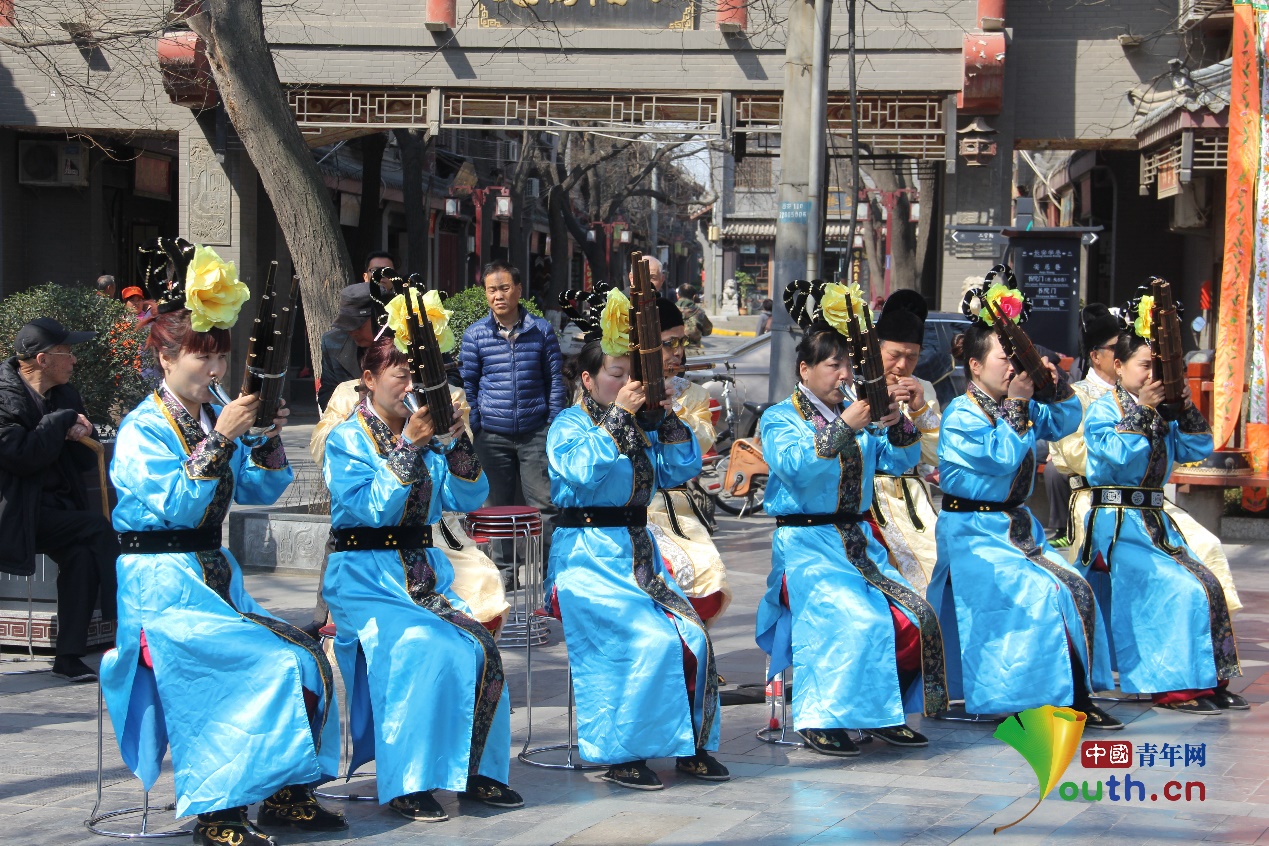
{"x":512,"y":372}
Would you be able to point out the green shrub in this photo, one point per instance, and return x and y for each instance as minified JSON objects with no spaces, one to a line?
{"x":107,"y":368}
{"x":470,"y":305}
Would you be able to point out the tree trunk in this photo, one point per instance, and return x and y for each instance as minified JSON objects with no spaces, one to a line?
{"x":370,"y":220}
{"x":927,"y":259}
{"x":244,"y":72}
{"x":561,"y":258}
{"x":414,"y":197}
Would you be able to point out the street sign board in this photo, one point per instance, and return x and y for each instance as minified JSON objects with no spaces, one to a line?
{"x":1048,"y":272}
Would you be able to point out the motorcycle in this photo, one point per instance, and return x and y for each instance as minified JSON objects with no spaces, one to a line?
{"x":733,"y":472}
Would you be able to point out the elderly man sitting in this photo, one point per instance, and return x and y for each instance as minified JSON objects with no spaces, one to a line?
{"x":43,"y":501}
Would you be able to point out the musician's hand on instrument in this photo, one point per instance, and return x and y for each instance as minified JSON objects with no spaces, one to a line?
{"x":236,"y":418}
{"x":1151,"y":394}
{"x":1187,"y":398}
{"x":1052,"y":369}
{"x":279,"y":418}
{"x":891,"y":418}
{"x":898,"y":392}
{"x":857,"y":415}
{"x":916,"y":393}
{"x":1021,"y":386}
{"x":81,"y":428}
{"x":419,"y":428}
{"x":631,"y":397}
{"x":458,"y":429}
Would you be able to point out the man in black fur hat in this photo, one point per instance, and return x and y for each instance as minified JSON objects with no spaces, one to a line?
{"x":901,"y":504}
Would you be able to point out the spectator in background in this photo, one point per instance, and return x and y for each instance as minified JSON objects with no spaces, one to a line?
{"x":106,"y":286}
{"x":512,"y":373}
{"x":764,"y":319}
{"x":134,"y":301}
{"x":695,"y":320}
{"x":654,"y":274}
{"x":43,"y":500}
{"x":346,"y":341}
{"x":376,"y":260}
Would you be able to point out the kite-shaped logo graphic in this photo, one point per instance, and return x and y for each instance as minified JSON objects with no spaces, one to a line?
{"x":1047,"y":738}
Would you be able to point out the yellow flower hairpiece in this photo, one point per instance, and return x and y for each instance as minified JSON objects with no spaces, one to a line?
{"x":1008,"y":300}
{"x":614,"y":321}
{"x":834,"y":309}
{"x":1142,"y":323}
{"x":436,"y":313}
{"x":213,"y":293}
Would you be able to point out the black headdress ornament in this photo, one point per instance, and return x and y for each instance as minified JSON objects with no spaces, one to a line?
{"x":584,"y":309}
{"x":1000,"y":288}
{"x":163,"y":276}
{"x":1098,"y":326}
{"x":1134,"y":317}
{"x":802,"y":299}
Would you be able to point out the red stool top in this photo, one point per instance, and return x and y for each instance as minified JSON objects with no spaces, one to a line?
{"x":479,"y":540}
{"x":327,"y":630}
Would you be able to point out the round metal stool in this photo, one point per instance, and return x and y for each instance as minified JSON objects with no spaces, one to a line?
{"x":523,"y":528}
{"x":327,"y":635}
{"x":777,"y":729}
{"x":570,"y":746}
{"x":96,"y":817}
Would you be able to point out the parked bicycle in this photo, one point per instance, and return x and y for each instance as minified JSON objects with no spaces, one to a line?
{"x":733,"y":472}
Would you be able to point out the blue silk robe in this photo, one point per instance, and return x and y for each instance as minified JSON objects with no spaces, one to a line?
{"x":837,"y":630}
{"x":426,"y":693}
{"x":1169,"y":624}
{"x":1006,"y":599}
{"x":625,"y":619}
{"x":228,"y":679}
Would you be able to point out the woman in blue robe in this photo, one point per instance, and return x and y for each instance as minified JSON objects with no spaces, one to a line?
{"x":427,"y":700}
{"x":641,"y":659}
{"x":1170,"y":629}
{"x":1021,"y":625}
{"x":865,"y":647}
{"x":245,"y":700}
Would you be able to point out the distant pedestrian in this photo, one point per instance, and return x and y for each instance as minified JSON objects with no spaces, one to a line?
{"x":346,"y":341}
{"x":695,"y":320}
{"x":764,"y":319}
{"x":512,"y":372}
{"x":105,"y":286}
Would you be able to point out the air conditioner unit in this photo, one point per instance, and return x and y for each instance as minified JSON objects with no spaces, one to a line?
{"x":53,"y":163}
{"x":532,"y":187}
{"x":1190,"y":207}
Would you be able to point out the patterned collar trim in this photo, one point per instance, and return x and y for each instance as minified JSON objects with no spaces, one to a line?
{"x":189,"y":430}
{"x":988,"y":405}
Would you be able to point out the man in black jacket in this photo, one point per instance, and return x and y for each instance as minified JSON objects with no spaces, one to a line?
{"x":43,"y":501}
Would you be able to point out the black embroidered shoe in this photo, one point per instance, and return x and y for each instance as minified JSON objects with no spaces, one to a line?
{"x":830,"y":742}
{"x":296,"y":806}
{"x":1096,"y":718}
{"x":634,"y":775}
{"x":1201,"y":707}
{"x":1227,"y":701}
{"x":702,"y":765}
{"x":491,"y":792}
{"x":899,"y":736}
{"x":420,"y":807}
{"x":229,"y":826}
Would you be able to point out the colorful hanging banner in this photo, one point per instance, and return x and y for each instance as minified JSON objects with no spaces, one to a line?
{"x":1257,"y":432}
{"x":1240,"y":225}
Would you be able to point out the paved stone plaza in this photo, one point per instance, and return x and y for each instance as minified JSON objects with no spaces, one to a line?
{"x":957,"y":790}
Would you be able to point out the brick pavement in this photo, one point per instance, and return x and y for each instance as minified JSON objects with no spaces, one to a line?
{"x":956,"y":790}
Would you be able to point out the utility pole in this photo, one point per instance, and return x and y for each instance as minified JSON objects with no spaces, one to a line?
{"x":792,"y":208}
{"x":654,"y":218}
{"x":818,"y":152}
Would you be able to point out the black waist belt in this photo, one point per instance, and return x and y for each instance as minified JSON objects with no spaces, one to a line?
{"x":819,"y":519}
{"x":381,"y":537}
{"x":1077,"y":482}
{"x":205,"y":539}
{"x":1151,"y":498}
{"x":601,"y":518}
{"x":958,"y":505}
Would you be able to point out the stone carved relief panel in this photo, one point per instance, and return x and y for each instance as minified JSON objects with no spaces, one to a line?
{"x":210,"y":196}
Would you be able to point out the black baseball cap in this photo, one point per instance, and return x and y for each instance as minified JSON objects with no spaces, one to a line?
{"x":44,"y":333}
